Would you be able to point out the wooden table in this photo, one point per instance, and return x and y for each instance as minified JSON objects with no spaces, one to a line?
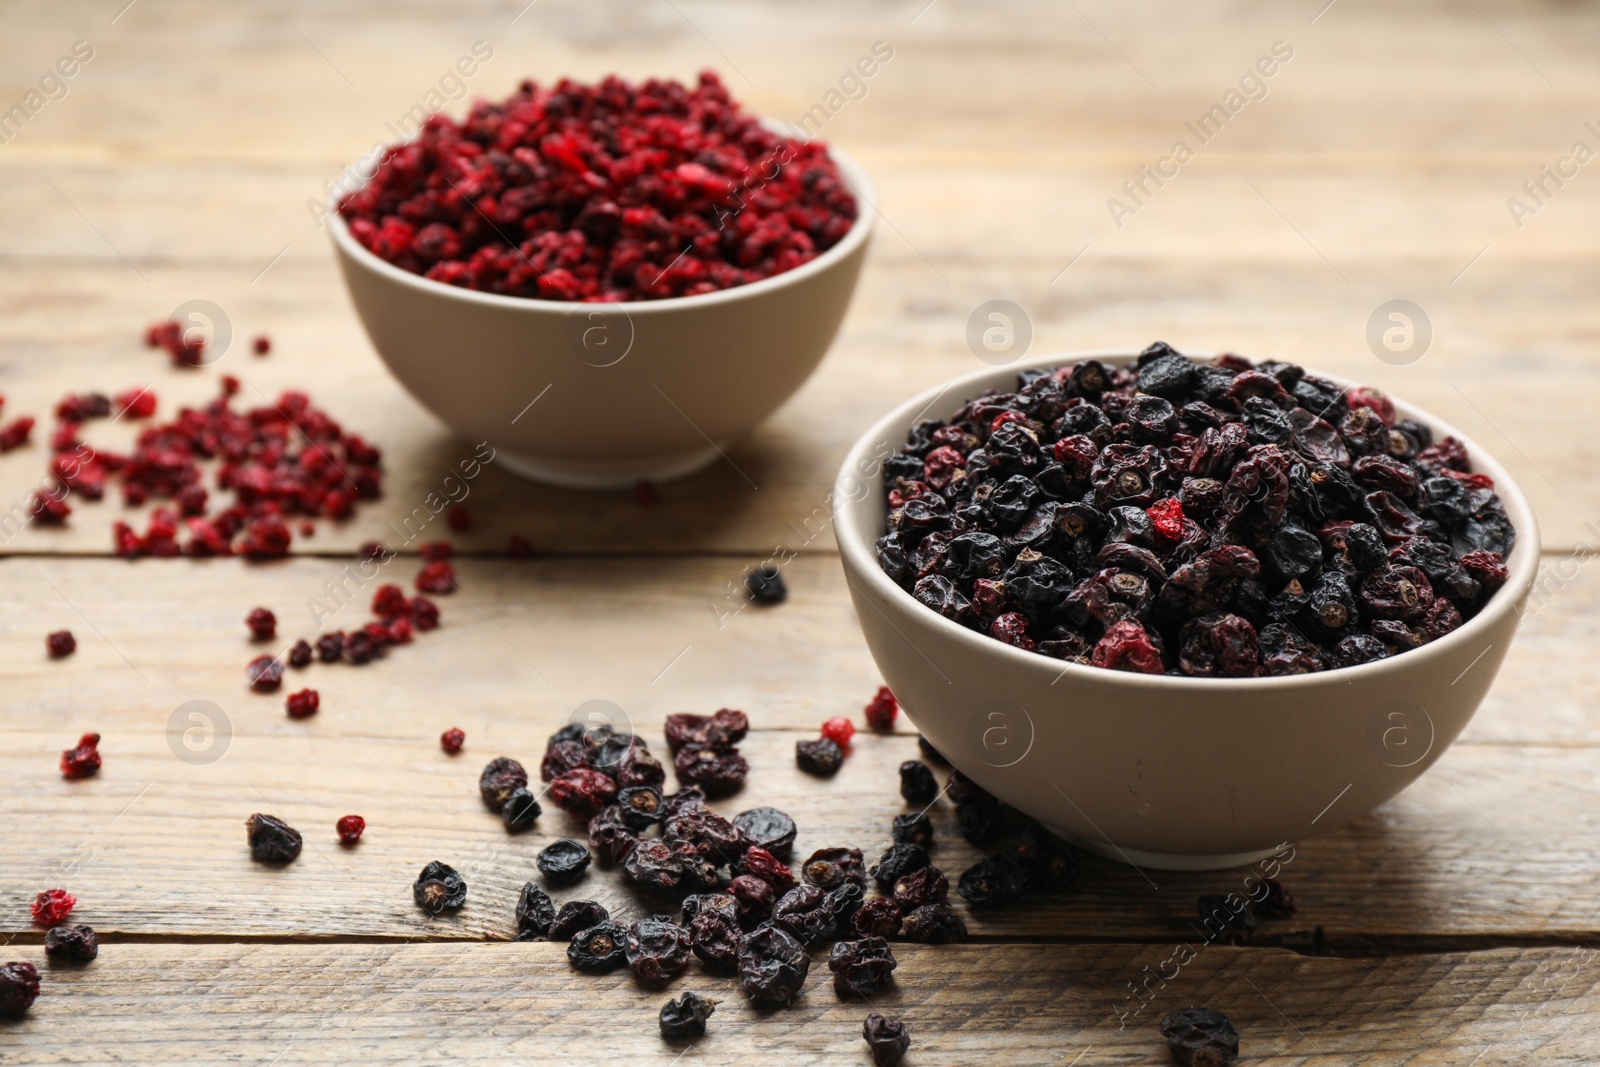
{"x":1452,"y":926}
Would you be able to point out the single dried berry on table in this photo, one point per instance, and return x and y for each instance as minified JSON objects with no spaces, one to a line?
{"x":303,"y":704}
{"x":19,"y":988}
{"x":861,"y":968}
{"x":927,"y":885}
{"x":575,"y":916}
{"x":500,"y":778}
{"x":822,"y":757}
{"x":82,"y":760}
{"x":934,"y":924}
{"x":1201,"y":1037}
{"x":535,"y":912}
{"x":882,"y":709}
{"x":886,"y":1039}
{"x":452,"y":740}
{"x":655,"y":865}
{"x":994,"y":882}
{"x":265,"y":674}
{"x":73,"y":944}
{"x":806,"y":912}
{"x":263,"y":624}
{"x":912,"y":828}
{"x":765,"y":585}
{"x":897,"y":862}
{"x":686,"y":1015}
{"x":350,"y":828}
{"x":439,"y":888}
{"x":520,"y":811}
{"x":599,"y":949}
{"x":563,"y":862}
{"x":767,"y":828}
{"x":839,"y":730}
{"x":917,"y":783}
{"x":300,"y":654}
{"x":657,"y":950}
{"x":271,"y":840}
{"x":878,"y":917}
{"x":437,"y":577}
{"x":52,"y":907}
{"x":772,"y":966}
{"x":61,"y":643}
{"x":330,"y":647}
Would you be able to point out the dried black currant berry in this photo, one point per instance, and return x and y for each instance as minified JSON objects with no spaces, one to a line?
{"x":917,"y":783}
{"x":74,"y":944}
{"x":563,"y":862}
{"x":610,"y":836}
{"x":897,"y":862}
{"x":271,"y":840}
{"x":19,"y":988}
{"x":772,"y":966}
{"x":439,"y":888}
{"x":1200,"y":1037}
{"x":685,"y":1016}
{"x":861,"y":967}
{"x":716,"y":938}
{"x":767,"y":828}
{"x":829,"y":868}
{"x":927,"y":885}
{"x":980,"y":818}
{"x":574,"y":916}
{"x":655,"y":865}
{"x":912,"y":829}
{"x":930,"y":752}
{"x":641,"y":807}
{"x":717,"y":771}
{"x":994,"y":882}
{"x":535,"y":912}
{"x":934,"y":924}
{"x":821,"y":757}
{"x":500,"y":778}
{"x":658,"y":949}
{"x":807,"y":913}
{"x":878,"y":917}
{"x":520,"y":811}
{"x":886,"y":1039}
{"x":765,"y":585}
{"x":599,"y":949}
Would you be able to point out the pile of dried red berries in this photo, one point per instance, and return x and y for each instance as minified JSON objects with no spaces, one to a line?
{"x":607,"y":192}
{"x":1174,"y":517}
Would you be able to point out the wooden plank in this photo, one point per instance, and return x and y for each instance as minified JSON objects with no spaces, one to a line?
{"x":521,"y":1004}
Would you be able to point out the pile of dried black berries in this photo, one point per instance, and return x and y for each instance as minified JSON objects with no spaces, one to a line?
{"x":1223,"y":519}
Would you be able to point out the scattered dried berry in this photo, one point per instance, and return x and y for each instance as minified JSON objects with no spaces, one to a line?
{"x":330,"y":647}
{"x":265,"y":674}
{"x":685,"y":1016}
{"x":61,"y":643}
{"x":772,"y":966}
{"x":767,"y":828}
{"x":886,"y":1039}
{"x":716,"y":936}
{"x":583,"y":792}
{"x":934,"y":924}
{"x":830,"y":868}
{"x":19,"y":988}
{"x":878,"y":917}
{"x":657,"y":950}
{"x":755,"y":898}
{"x":452,"y":740}
{"x":839,"y":730}
{"x":611,"y":836}
{"x":896,"y":863}
{"x":84,"y":760}
{"x":882,"y":710}
{"x":575,"y":916}
{"x":861,"y":968}
{"x":720,"y":731}
{"x":261,"y":345}
{"x":72,"y":944}
{"x":535,"y":912}
{"x":52,"y":907}
{"x":640,"y":807}
{"x":15,"y":433}
{"x":437,"y":577}
{"x":271,"y":840}
{"x":563,"y":862}
{"x":917,"y":783}
{"x":303,"y":704}
{"x":807,"y":912}
{"x":765,"y":585}
{"x":822,"y":757}
{"x":655,"y":865}
{"x":926,"y":885}
{"x":912,"y":828}
{"x":994,"y":882}
{"x":717,"y":772}
{"x":300,"y":654}
{"x":350,"y":828}
{"x":599,"y":949}
{"x":439,"y":888}
{"x":263,"y":624}
{"x":500,"y":778}
{"x":1200,"y":1037}
{"x":520,"y":811}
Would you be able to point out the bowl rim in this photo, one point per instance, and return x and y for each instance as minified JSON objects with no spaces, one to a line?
{"x":854,"y":176}
{"x":855,"y":553}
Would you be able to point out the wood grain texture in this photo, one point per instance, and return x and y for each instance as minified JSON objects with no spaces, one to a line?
{"x":519,"y":1005}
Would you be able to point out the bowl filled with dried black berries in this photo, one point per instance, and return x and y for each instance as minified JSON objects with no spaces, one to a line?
{"x":607,"y":282}
{"x":1182,"y":609}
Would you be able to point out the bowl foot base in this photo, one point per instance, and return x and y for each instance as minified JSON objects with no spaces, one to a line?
{"x":1163,"y":861}
{"x":605,"y":474}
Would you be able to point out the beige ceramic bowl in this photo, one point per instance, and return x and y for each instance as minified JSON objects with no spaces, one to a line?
{"x":603,"y":395}
{"x":1174,"y":773}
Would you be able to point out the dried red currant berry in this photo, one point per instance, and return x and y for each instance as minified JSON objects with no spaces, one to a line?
{"x":925,"y":886}
{"x":271,"y":840}
{"x":760,"y":863}
{"x":685,"y":1016}
{"x":19,"y":988}
{"x":882,"y":709}
{"x":84,"y":760}
{"x":434,"y":551}
{"x":459,"y":518}
{"x":263,"y":624}
{"x":599,"y":949}
{"x":350,"y":828}
{"x":389,"y":602}
{"x":657,"y":950}
{"x":717,"y":772}
{"x":563,"y":862}
{"x":912,"y":828}
{"x":52,"y":906}
{"x":772,"y":967}
{"x":583,"y":792}
{"x":861,"y":968}
{"x":300,"y":654}
{"x":765,"y":585}
{"x":575,"y":916}
{"x":1228,"y":919}
{"x":886,"y":1039}
{"x":500,"y":778}
{"x":755,"y":898}
{"x":72,"y":944}
{"x":265,"y":674}
{"x":1277,"y":902}
{"x":806,"y":912}
{"x":830,"y":868}
{"x":896,"y":863}
{"x":452,"y":740}
{"x":839,"y":730}
{"x":767,"y":828}
{"x":917,"y":784}
{"x":535,"y":912}
{"x":1200,"y":1037}
{"x":424,"y":614}
{"x":439,"y":888}
{"x":437,"y":577}
{"x":520,"y":811}
{"x":304,"y":704}
{"x":934,"y":924}
{"x":822,"y":757}
{"x":878,"y":917}
{"x":61,"y":643}
{"x":330,"y":647}
{"x":721,"y":731}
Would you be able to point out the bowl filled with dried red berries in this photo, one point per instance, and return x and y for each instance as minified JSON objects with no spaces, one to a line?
{"x":608,"y":282}
{"x":1182,"y":609}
